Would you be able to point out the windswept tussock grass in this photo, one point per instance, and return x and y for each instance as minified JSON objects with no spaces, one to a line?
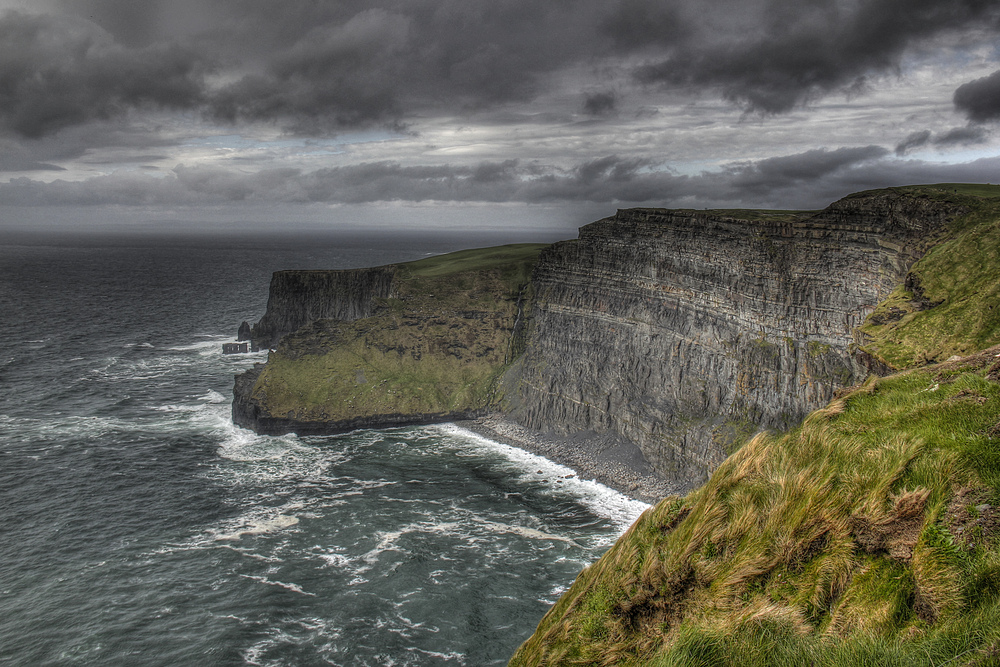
{"x":832,"y":544}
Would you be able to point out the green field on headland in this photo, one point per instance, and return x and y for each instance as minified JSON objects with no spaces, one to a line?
{"x":437,"y":346}
{"x":951,"y":305}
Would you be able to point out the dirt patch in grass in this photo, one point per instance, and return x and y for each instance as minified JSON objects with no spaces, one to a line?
{"x":949,"y":370}
{"x":994,"y":372}
{"x":969,"y":395}
{"x":897,"y":533}
{"x":972,"y":517}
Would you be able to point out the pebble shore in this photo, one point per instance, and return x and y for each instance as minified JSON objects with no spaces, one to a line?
{"x":603,"y":458}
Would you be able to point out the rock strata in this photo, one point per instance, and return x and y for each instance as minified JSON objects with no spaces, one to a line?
{"x":685,"y":331}
{"x":297,"y":298}
{"x":414,"y":343}
{"x":667,"y":335}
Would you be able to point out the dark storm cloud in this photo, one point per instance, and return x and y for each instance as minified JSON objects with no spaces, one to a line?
{"x":58,"y":72}
{"x":957,"y":136}
{"x":333,"y":76}
{"x":806,"y":180}
{"x":972,"y":134}
{"x":914,"y":140}
{"x":771,"y":56}
{"x":320,"y":66}
{"x":770,"y":174}
{"x":599,"y":104}
{"x":980,"y":99}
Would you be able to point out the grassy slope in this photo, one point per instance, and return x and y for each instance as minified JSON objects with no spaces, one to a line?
{"x":436,"y":348}
{"x":870,"y":535}
{"x":962,"y":273}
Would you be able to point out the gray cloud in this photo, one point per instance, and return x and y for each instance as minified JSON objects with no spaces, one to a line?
{"x":914,"y":140}
{"x":806,"y":180}
{"x":337,"y":76}
{"x":316,"y":67}
{"x":980,"y":99}
{"x":788,"y":171}
{"x":57,"y":72}
{"x":963,"y":136}
{"x":599,"y":104}
{"x":956,"y":136}
{"x":771,"y":56}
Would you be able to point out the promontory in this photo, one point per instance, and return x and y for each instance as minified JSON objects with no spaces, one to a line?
{"x":819,"y":391}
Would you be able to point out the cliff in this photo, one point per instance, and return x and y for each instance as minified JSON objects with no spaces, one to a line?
{"x":403,"y":344}
{"x":297,"y":298}
{"x":867,"y":535}
{"x":686,"y":331}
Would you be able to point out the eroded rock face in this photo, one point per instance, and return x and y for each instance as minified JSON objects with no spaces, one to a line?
{"x":297,"y":298}
{"x":683,"y":331}
{"x":243,"y":333}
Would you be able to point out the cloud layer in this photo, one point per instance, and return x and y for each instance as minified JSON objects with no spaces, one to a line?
{"x":672,"y":102}
{"x":806,"y":180}
{"x":317,"y":67}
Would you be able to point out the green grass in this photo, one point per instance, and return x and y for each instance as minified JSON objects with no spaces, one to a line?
{"x":832,"y":544}
{"x":960,"y":275}
{"x":774,"y":215}
{"x":985,"y":190}
{"x":437,"y":347}
{"x":513,"y":259}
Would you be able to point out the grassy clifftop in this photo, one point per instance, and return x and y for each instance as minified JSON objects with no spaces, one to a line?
{"x":436,"y":347}
{"x":869,"y":535}
{"x":950,"y":303}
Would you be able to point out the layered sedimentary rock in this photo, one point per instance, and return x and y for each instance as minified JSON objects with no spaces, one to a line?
{"x":684,"y":331}
{"x":401,"y":344}
{"x":678,"y":331}
{"x":297,"y":298}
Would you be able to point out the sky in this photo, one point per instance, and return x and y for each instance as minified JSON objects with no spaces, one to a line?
{"x":493,"y":114}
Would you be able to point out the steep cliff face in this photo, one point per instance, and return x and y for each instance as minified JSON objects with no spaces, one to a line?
{"x":869,"y":534}
{"x":297,"y":298}
{"x":404,"y":344}
{"x":684,"y":331}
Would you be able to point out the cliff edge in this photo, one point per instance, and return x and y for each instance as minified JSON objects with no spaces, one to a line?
{"x":867,"y":535}
{"x":402,"y":344}
{"x":687,"y":331}
{"x":677,"y":332}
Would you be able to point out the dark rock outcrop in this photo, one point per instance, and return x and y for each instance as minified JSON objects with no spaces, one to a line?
{"x":297,"y":298}
{"x":243,"y":333}
{"x":684,"y":331}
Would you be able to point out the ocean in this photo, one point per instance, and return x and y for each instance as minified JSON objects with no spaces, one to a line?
{"x":139,"y":526}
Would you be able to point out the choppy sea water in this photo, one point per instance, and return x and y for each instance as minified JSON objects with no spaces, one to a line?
{"x":138,"y":526}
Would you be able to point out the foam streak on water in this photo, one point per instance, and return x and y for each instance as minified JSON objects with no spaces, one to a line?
{"x":141,"y":527}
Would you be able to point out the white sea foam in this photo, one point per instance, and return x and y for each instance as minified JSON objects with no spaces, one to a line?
{"x":602,"y":500}
{"x":530,"y":533}
{"x":279,"y":522}
{"x":213,"y":343}
{"x":291,"y":587}
{"x":213,"y":397}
